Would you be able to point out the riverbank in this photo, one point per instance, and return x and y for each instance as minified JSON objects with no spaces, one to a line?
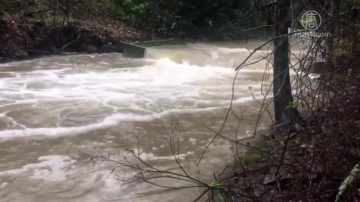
{"x":26,"y":39}
{"x":315,"y":160}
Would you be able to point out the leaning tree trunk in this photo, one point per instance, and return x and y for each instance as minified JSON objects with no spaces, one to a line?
{"x":281,"y":83}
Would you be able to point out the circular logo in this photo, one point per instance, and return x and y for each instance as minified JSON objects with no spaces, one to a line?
{"x":311,"y":20}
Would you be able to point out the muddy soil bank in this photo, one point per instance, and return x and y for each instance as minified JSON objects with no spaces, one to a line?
{"x":24,"y":39}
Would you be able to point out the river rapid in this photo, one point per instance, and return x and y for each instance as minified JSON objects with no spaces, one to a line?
{"x":58,"y":113}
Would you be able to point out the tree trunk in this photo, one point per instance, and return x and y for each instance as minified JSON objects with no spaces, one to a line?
{"x":281,"y":83}
{"x":333,"y":10}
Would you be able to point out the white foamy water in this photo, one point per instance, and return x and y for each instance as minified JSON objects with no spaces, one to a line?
{"x":49,"y":168}
{"x":56,"y":176}
{"x":48,"y":97}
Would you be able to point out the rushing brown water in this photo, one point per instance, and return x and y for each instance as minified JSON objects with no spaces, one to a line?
{"x":56,"y":112}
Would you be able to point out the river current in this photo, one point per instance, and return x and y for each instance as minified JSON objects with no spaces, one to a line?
{"x":58,"y":113}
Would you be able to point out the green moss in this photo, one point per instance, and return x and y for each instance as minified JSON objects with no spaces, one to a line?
{"x":252,"y":158}
{"x":294,"y":105}
{"x":217,"y":192}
